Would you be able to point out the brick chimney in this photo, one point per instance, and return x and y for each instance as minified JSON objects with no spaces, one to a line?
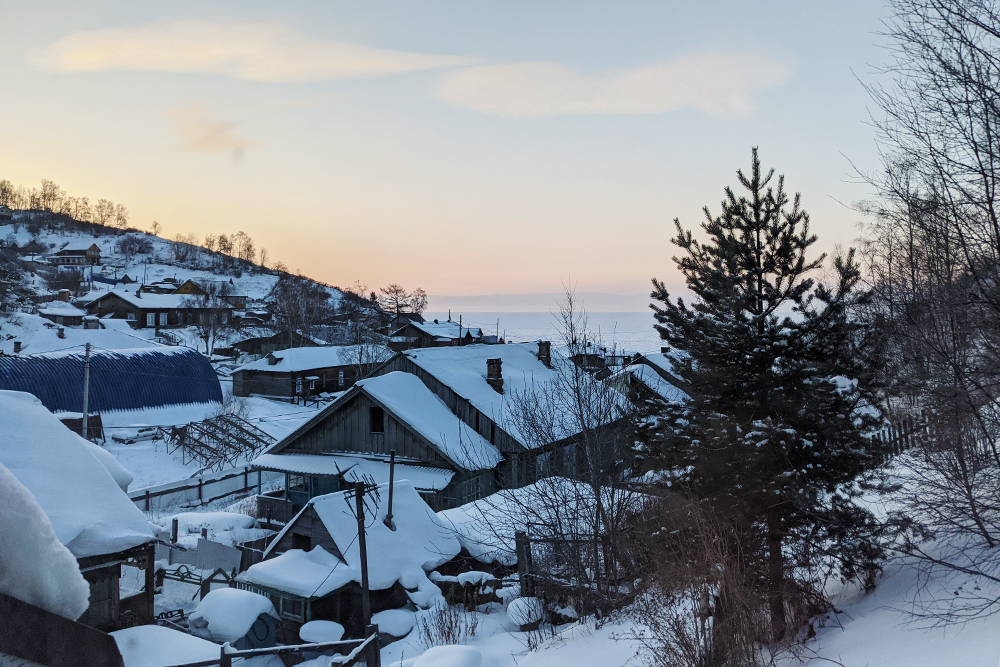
{"x":664,"y":349}
{"x":61,"y":332}
{"x":545,"y":352}
{"x":494,"y":374}
{"x":17,"y":347}
{"x":64,"y":295}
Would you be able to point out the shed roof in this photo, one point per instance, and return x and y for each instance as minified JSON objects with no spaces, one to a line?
{"x":447,"y":330}
{"x":129,"y":379}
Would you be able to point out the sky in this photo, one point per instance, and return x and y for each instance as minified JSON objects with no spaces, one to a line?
{"x":468,"y":148}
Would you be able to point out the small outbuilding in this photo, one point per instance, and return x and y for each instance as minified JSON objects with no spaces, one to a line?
{"x":302,"y":372}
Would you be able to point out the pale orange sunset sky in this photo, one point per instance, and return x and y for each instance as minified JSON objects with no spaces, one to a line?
{"x":468,"y":148}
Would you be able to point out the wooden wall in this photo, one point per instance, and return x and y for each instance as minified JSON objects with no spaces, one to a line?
{"x":307,"y":523}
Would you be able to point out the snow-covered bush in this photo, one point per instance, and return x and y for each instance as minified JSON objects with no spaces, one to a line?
{"x":525,"y":611}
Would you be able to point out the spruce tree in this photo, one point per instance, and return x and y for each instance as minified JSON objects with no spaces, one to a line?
{"x":777,"y":423}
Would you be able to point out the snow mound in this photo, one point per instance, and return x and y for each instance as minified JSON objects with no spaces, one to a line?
{"x":525,"y":611}
{"x":34,"y":566}
{"x":316,"y":632}
{"x":157,"y":646}
{"x":450,"y":656}
{"x":228,"y":613}
{"x":89,"y":512}
{"x":395,"y":622}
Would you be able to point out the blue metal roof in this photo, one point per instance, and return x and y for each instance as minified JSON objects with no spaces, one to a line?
{"x":119,"y":380}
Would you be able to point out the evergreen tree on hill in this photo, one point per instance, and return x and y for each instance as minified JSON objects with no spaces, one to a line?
{"x":776,"y":426}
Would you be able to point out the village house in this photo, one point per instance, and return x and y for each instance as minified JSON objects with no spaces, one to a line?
{"x":312,"y":569}
{"x":416,"y":334}
{"x":450,"y":410}
{"x":647,"y":377}
{"x":301,"y":372}
{"x":148,"y":311}
{"x":6,"y":215}
{"x":82,"y":490}
{"x":77,"y":253}
{"x":264,"y":341}
{"x":63,"y":314}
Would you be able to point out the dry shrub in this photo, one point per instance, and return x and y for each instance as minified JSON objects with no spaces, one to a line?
{"x":701,"y":606}
{"x":446,"y":624}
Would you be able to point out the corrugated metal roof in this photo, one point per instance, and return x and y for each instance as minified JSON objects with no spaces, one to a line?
{"x":119,"y":380}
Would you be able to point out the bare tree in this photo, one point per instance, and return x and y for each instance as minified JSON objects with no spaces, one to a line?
{"x":7,"y":193}
{"x":155,"y":228}
{"x":121,"y":217}
{"x":211,"y":319}
{"x":104,"y":212}
{"x":395,"y":299}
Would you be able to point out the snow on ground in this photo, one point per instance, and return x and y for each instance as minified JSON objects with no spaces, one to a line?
{"x":228,"y":528}
{"x":34,"y":565}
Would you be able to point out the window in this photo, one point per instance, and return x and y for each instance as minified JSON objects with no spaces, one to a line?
{"x":300,"y":541}
{"x":298,"y":385}
{"x":163,"y":319}
{"x":150,"y":319}
{"x":340,"y":378}
{"x":376,"y":417}
{"x":298,"y":483}
{"x":130,"y":317}
{"x":292,"y":609}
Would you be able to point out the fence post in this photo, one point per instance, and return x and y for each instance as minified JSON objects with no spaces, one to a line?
{"x":225,"y":660}
{"x":173,"y":531}
{"x":147,"y":500}
{"x":199,"y":489}
{"x":523,"y":550}
{"x":246,"y":479}
{"x":374,"y":657}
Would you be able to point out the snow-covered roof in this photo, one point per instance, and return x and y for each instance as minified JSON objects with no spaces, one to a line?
{"x":227,"y":614}
{"x":299,"y":359}
{"x":59,"y":308}
{"x":407,"y":397}
{"x":446,"y":330}
{"x":159,"y":646}
{"x":355,"y":468}
{"x":90,"y":514}
{"x":150,"y":300}
{"x":651,"y":379}
{"x":463,"y":370}
{"x":418,"y":544}
{"x":79,"y":246}
{"x":128,"y":379}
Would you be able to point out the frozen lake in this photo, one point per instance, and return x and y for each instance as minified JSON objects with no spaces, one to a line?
{"x":630,"y":332}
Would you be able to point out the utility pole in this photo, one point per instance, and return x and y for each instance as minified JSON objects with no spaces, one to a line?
{"x":366,"y":605}
{"x":86,"y":388}
{"x":392,"y":473}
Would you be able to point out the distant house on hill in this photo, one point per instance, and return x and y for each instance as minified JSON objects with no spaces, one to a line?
{"x":130,"y":379}
{"x":6,"y":215}
{"x":417,"y":334}
{"x":301,"y":372}
{"x":82,"y":490}
{"x":447,"y":409}
{"x":77,"y":253}
{"x":62,"y":313}
{"x":148,"y":311}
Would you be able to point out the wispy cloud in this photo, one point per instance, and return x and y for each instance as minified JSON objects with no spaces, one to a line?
{"x":254,"y":51}
{"x":201,"y":134}
{"x":716,"y":84}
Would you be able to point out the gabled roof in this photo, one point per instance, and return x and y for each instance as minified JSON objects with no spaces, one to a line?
{"x":652,"y":380}
{"x":419,"y":543}
{"x":152,"y":301}
{"x":408,"y":400}
{"x":90,"y":513}
{"x":130,"y":379}
{"x":447,"y":330}
{"x":78,"y":246}
{"x":299,"y":359}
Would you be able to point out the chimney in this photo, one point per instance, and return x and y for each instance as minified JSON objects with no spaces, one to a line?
{"x":272,"y":360}
{"x":545,"y":352}
{"x":64,"y":295}
{"x":664,"y":350}
{"x":494,"y":374}
{"x":17,"y":347}
{"x":61,"y":332}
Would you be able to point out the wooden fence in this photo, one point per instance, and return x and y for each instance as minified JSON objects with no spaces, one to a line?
{"x":203,"y":489}
{"x":358,"y":652}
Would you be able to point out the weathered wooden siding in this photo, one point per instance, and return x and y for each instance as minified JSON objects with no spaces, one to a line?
{"x":348,"y":430}
{"x":307,"y":523}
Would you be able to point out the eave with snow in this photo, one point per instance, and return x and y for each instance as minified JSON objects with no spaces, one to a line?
{"x":151,"y":310}
{"x":417,"y":334}
{"x":82,"y":490}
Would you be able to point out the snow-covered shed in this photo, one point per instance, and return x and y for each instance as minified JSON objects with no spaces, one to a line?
{"x":419,"y":334}
{"x":307,"y":371}
{"x":130,"y":379}
{"x":89,"y":512}
{"x":444,"y":457}
{"x":312,"y":570}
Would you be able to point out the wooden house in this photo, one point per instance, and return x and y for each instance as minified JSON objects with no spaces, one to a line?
{"x":417,"y":334}
{"x":77,"y":253}
{"x":312,"y":569}
{"x":647,"y":377}
{"x":262,"y":341}
{"x":62,"y":314}
{"x":82,"y":490}
{"x":444,"y":408}
{"x":148,"y":311}
{"x":6,"y":215}
{"x":301,"y":372}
